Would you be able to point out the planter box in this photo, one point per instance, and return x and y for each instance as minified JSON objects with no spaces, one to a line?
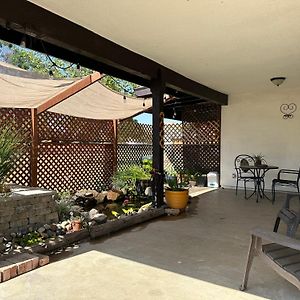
{"x":98,"y":230}
{"x":113,"y":226}
{"x":58,"y":243}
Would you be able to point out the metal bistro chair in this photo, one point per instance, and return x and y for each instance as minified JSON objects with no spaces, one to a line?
{"x":243,"y":174}
{"x":286,"y":182}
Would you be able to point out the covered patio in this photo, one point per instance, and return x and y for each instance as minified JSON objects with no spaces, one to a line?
{"x":200,"y":255}
{"x":233,"y":50}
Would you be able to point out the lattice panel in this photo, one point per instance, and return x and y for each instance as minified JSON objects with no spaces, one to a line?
{"x":19,"y":119}
{"x":74,"y":166}
{"x":173,"y":157}
{"x":201,"y":135}
{"x":204,"y":157}
{"x":173,"y":134}
{"x":202,"y":125}
{"x":130,"y":154}
{"x":131,"y":132}
{"x":58,"y":127}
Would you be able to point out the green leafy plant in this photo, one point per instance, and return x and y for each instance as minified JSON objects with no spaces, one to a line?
{"x":127,"y":179}
{"x":147,"y":165}
{"x":29,"y":239}
{"x":174,"y":184}
{"x":115,"y":214}
{"x":64,"y":204}
{"x":11,"y":146}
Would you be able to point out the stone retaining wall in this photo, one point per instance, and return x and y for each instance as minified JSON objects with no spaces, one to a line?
{"x":27,"y":207}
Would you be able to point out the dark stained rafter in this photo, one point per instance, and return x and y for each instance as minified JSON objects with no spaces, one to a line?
{"x":67,"y":40}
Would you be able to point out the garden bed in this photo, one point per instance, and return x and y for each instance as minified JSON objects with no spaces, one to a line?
{"x":97,"y":231}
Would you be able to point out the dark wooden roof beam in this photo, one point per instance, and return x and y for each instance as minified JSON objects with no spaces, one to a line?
{"x":72,"y":42}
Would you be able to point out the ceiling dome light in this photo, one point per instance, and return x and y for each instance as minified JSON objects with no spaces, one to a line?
{"x":278,"y":80}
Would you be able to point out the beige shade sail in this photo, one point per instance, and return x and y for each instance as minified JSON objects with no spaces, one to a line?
{"x":24,"y":89}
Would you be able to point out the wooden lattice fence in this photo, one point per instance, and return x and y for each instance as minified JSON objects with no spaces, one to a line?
{"x":19,"y":120}
{"x":73,"y":153}
{"x":134,"y":143}
{"x":192,"y":145}
{"x":201,"y":135}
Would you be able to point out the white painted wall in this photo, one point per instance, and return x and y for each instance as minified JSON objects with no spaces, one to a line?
{"x":252,"y":124}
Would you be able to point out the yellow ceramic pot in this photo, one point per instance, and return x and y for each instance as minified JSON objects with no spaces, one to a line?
{"x":177,"y":199}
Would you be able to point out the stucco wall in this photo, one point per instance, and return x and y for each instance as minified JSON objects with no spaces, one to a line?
{"x":252,"y":123}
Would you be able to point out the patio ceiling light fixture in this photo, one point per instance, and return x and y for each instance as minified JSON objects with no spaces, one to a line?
{"x":278,"y":80}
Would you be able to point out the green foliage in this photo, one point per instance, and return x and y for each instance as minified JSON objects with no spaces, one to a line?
{"x":11,"y":147}
{"x":40,"y":63}
{"x":115,"y":214}
{"x":119,"y":85}
{"x":29,"y":239}
{"x":189,"y":175}
{"x":128,"y":211}
{"x":64,"y":205}
{"x":127,"y":178}
{"x":174,"y":184}
{"x":147,"y":165}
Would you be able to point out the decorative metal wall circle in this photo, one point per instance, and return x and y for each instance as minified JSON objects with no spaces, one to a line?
{"x":288,"y":110}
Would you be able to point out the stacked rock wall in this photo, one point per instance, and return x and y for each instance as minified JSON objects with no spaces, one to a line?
{"x":27,"y":207}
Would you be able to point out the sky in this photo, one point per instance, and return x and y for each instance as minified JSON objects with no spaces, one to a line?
{"x":147,"y":119}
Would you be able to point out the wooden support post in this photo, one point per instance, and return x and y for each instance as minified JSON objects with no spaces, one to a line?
{"x":34,"y":147}
{"x":115,"y":145}
{"x":157,"y":89}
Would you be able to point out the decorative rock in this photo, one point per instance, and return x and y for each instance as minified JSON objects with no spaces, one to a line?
{"x":41,"y":230}
{"x":172,"y":211}
{"x":113,"y":195}
{"x":44,"y":235}
{"x":100,"y":218}
{"x":47,"y":226}
{"x":145,"y":207}
{"x":69,"y":227}
{"x":53,"y":227}
{"x":101,"y":196}
{"x":64,"y":224}
{"x":92,"y":213}
{"x":148,"y":191}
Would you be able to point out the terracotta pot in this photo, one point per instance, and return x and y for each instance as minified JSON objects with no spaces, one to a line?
{"x":76,"y":225}
{"x":177,"y":199}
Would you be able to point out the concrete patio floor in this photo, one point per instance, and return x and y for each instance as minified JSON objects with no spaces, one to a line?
{"x":199,"y":255}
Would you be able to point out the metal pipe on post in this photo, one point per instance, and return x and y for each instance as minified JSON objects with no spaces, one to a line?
{"x":157,"y":89}
{"x":34,"y":147}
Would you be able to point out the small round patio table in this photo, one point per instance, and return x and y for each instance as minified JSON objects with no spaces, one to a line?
{"x":259,"y":173}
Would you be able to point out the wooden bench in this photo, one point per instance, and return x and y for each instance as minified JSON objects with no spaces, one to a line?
{"x":282,"y":255}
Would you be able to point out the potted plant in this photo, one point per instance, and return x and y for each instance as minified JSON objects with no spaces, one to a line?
{"x":76,"y":223}
{"x":176,"y":194}
{"x":258,"y":159}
